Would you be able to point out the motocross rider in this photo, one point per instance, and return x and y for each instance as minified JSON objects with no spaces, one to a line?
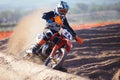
{"x":54,"y":21}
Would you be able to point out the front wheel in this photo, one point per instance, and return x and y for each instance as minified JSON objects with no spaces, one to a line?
{"x":58,"y":59}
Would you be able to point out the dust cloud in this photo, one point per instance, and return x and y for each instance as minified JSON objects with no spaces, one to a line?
{"x":25,"y":32}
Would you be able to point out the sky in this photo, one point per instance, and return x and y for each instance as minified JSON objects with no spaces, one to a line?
{"x":4,"y":4}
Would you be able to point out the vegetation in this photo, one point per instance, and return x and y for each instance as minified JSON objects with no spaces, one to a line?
{"x":83,"y":8}
{"x":9,"y":18}
{"x":6,"y":27}
{"x":91,"y":13}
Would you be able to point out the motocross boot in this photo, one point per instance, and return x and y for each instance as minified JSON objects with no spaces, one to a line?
{"x":37,"y":46}
{"x":32,"y":49}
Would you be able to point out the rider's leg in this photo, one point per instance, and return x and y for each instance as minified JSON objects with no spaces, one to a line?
{"x":56,"y":41}
{"x":44,"y":38}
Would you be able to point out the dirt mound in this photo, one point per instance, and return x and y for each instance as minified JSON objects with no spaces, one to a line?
{"x":17,"y":69}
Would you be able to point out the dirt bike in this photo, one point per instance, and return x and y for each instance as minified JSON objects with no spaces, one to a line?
{"x":64,"y":45}
{"x":63,"y":40}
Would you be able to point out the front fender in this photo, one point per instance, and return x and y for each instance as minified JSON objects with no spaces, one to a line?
{"x":68,"y":45}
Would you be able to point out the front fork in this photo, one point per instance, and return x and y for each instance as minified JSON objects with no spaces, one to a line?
{"x":57,"y":46}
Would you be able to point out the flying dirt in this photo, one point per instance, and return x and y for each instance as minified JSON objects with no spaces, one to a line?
{"x":25,"y":32}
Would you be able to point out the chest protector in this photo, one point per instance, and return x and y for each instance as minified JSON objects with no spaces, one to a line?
{"x":55,"y":23}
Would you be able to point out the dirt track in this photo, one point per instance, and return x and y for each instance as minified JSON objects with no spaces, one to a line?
{"x":98,"y":58}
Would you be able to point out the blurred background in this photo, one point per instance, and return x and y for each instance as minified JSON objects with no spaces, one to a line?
{"x":81,"y":11}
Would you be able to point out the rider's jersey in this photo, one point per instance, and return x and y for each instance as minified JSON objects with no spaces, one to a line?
{"x":52,"y":25}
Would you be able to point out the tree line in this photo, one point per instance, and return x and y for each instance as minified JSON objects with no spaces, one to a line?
{"x":82,"y":7}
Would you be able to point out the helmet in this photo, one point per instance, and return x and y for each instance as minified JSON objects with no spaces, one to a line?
{"x":62,"y":8}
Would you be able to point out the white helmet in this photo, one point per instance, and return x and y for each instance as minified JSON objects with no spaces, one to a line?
{"x":62,"y":8}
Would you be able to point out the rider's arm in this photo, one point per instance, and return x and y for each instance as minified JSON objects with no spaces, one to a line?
{"x":56,"y":34}
{"x":48,"y":15}
{"x":67,"y":26}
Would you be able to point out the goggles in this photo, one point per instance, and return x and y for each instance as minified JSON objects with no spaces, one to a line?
{"x":63,"y":11}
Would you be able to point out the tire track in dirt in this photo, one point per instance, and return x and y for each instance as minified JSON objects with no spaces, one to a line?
{"x":3,"y":45}
{"x":99,"y":56}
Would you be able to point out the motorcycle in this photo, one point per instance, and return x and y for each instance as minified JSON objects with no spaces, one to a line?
{"x":64,"y":45}
{"x":63,"y":39}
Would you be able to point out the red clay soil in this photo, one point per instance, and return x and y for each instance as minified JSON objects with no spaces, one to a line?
{"x":86,"y":26}
{"x":4,"y":35}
